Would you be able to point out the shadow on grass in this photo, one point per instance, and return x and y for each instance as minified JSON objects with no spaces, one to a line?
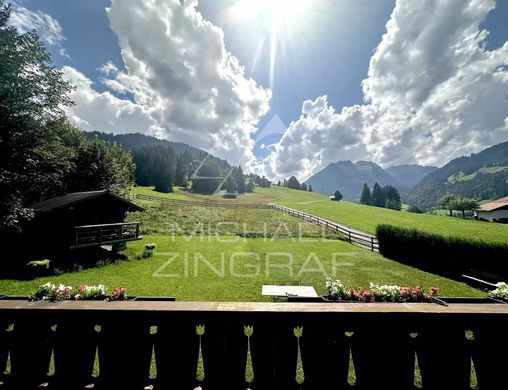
{"x":71,"y":261}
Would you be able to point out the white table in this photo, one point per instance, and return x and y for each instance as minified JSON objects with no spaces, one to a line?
{"x":277,"y":292}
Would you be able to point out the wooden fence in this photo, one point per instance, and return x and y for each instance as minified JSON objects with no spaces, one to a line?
{"x":367,"y":240}
{"x":200,"y":203}
{"x":226,"y":346}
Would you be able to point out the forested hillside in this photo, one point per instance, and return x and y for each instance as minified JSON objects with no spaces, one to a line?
{"x":480,"y":176}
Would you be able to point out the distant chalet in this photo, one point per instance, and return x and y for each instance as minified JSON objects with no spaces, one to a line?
{"x":80,"y":220}
{"x":496,"y":211}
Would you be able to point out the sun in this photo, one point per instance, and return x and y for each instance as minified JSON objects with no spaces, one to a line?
{"x":279,"y":22}
{"x":273,"y":11}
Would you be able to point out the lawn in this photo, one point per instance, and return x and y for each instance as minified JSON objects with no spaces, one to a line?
{"x":181,"y":193}
{"x":232,"y":268}
{"x":367,"y":217}
{"x":185,"y":219}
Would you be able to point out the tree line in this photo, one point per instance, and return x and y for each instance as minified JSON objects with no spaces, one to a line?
{"x":386,"y":197}
{"x":294,"y":184}
{"x":457,"y":203}
{"x":41,"y":154}
{"x":162,"y":168}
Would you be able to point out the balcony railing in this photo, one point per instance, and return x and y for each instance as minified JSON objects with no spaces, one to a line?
{"x":105,"y":234}
{"x":137,"y":345}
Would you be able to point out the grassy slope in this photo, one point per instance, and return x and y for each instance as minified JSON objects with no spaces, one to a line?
{"x":184,"y":219}
{"x":355,"y":267}
{"x":151,"y":192}
{"x":367,"y":218}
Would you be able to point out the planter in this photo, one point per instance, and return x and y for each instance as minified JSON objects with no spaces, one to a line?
{"x":440,"y":301}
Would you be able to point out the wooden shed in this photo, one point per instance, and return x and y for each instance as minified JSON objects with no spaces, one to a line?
{"x":81,"y":219}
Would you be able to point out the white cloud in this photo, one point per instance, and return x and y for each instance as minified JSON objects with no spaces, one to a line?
{"x":433,"y":92}
{"x":48,"y":28}
{"x":103,"y":111}
{"x":185,"y":85}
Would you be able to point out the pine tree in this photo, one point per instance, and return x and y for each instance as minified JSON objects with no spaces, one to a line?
{"x":303,"y":187}
{"x":310,"y":188}
{"x":392,"y":198}
{"x":293,"y":183}
{"x":250,"y":186}
{"x":378,"y":196}
{"x":337,"y":196}
{"x":180,"y":172}
{"x":366,"y":197}
{"x":231,"y":185}
{"x":239,"y":178}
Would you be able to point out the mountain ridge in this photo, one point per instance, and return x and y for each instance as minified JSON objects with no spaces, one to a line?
{"x":481,"y":176}
{"x":349,"y":177}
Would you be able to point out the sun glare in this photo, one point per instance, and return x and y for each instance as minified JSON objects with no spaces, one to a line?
{"x":279,"y":22}
{"x":277,"y":11}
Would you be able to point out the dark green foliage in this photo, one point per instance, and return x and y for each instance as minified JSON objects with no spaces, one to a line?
{"x":181,"y":169}
{"x":413,"y":209}
{"x":337,"y":196}
{"x":366,"y":197}
{"x":239,"y":179}
{"x":207,"y":179}
{"x":41,"y":154}
{"x":447,"y":202}
{"x":293,"y":183}
{"x":155,"y":165}
{"x":250,"y":186}
{"x":303,"y":187}
{"x":466,"y":204}
{"x":99,"y":166}
{"x":133,"y":141}
{"x":260,"y":181}
{"x":392,"y":198}
{"x":378,"y":196}
{"x":447,"y":256}
{"x":310,"y":188}
{"x":231,"y":185}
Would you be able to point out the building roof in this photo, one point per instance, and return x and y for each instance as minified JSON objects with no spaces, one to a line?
{"x":494,"y":205}
{"x":77,"y":197}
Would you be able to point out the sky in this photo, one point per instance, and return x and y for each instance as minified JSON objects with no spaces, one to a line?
{"x":285,"y":87}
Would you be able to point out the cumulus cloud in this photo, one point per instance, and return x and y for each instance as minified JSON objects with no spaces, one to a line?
{"x":103,"y":111}
{"x":48,"y":28}
{"x":433,"y":92}
{"x":183,"y":83}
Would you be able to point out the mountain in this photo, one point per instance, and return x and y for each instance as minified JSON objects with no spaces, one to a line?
{"x":409,"y":175}
{"x":348,"y":177}
{"x":136,"y":140}
{"x":480,"y":176}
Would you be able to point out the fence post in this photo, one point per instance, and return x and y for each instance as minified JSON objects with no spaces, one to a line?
{"x":349,"y":235}
{"x":372,"y":244}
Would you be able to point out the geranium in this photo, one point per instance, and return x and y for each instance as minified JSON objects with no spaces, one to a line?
{"x":501,"y":291}
{"x":51,"y":292}
{"x":118,"y":294}
{"x":90,"y":292}
{"x":379,"y":293}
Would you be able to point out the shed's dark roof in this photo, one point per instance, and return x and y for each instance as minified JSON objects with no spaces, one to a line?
{"x":77,"y":197}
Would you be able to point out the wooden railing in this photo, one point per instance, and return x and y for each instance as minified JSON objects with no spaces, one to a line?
{"x":352,"y":235}
{"x":200,"y":203}
{"x":136,"y":345}
{"x":112,"y":233}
